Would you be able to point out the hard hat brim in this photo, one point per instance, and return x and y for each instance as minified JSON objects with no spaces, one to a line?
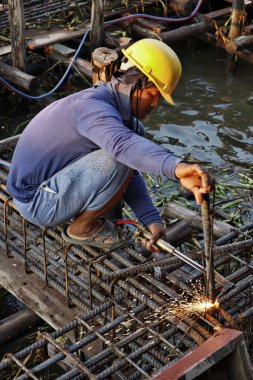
{"x":166,"y":96}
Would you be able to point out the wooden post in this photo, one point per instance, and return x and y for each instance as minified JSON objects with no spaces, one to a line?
{"x":97,"y":23}
{"x":236,"y":18}
{"x":103,"y":64}
{"x":235,"y":30}
{"x":16,"y":18}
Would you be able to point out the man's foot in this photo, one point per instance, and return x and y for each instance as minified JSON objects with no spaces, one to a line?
{"x":107,"y":236}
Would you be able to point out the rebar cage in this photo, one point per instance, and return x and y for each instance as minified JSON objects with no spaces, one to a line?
{"x":133,"y":325}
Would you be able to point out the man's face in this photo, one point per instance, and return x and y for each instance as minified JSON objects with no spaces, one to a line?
{"x":147,"y":100}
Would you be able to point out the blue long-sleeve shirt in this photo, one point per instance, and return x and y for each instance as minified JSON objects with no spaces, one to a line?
{"x":64,"y":131}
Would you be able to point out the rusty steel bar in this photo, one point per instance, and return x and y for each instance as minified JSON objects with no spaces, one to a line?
{"x":209,"y":259}
{"x":147,"y":338}
{"x":240,"y":286}
{"x":113,"y":347}
{"x":141,"y":298}
{"x":121,"y":273}
{"x":246,"y":314}
{"x":73,"y":359}
{"x":170,"y":249}
{"x":22,"y":366}
{"x":151,"y":330}
{"x":44,"y":254}
{"x":81,"y":343}
{"x":228,"y":318}
{"x":233,"y":234}
{"x":62,"y":331}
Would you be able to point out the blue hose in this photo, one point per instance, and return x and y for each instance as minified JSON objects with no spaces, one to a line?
{"x":107,"y":23}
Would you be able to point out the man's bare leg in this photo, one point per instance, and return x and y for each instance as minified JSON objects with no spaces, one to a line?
{"x":88,"y":222}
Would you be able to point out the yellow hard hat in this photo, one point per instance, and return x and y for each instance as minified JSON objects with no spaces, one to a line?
{"x":158,"y":62}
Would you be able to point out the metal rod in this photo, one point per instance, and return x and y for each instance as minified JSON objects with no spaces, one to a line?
{"x":209,"y":260}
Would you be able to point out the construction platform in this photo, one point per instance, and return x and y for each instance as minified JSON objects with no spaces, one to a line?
{"x":122,"y":313}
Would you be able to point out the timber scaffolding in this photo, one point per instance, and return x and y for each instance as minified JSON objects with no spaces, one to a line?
{"x":120,"y":314}
{"x":227,"y":27}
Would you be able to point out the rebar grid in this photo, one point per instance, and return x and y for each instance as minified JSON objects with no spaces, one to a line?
{"x":133,"y":340}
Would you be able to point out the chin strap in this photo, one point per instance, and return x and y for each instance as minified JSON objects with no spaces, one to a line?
{"x":138,"y":88}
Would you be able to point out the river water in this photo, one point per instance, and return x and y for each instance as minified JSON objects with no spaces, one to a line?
{"x":212,"y":118}
{"x":211,"y":121}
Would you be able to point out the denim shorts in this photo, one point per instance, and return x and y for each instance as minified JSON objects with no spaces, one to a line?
{"x":86,"y":184}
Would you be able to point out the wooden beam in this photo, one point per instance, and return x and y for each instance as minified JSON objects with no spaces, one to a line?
{"x":224,"y":12}
{"x":245,"y":54}
{"x":53,"y":37}
{"x":174,"y":210}
{"x":19,"y":78}
{"x":185,"y":32}
{"x":62,"y":53}
{"x":17,"y":325}
{"x":45,"y":301}
{"x":239,"y":43}
{"x":5,"y":50}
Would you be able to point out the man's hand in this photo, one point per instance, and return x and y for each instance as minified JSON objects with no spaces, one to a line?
{"x":158,"y":232}
{"x":195,"y":179}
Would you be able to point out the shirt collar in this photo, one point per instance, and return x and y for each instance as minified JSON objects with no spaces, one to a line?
{"x":122,"y":95}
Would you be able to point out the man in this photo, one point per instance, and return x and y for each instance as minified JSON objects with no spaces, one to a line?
{"x":80,"y":155}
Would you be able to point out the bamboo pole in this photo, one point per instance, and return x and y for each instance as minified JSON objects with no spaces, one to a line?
{"x":17,"y":29}
{"x":236,"y":18}
{"x":97,"y":22}
{"x":235,"y":30}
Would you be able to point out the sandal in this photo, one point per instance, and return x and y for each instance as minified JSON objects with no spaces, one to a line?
{"x":108,"y":231}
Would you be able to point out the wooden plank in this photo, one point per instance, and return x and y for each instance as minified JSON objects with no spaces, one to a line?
{"x":5,"y":50}
{"x":19,"y":78}
{"x":65,"y":51}
{"x":174,"y":210}
{"x":184,"y":32}
{"x":218,"y":14}
{"x":17,"y":325}
{"x":81,"y":64}
{"x":246,"y":2}
{"x":45,"y":301}
{"x":46,"y":39}
{"x":245,"y":54}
